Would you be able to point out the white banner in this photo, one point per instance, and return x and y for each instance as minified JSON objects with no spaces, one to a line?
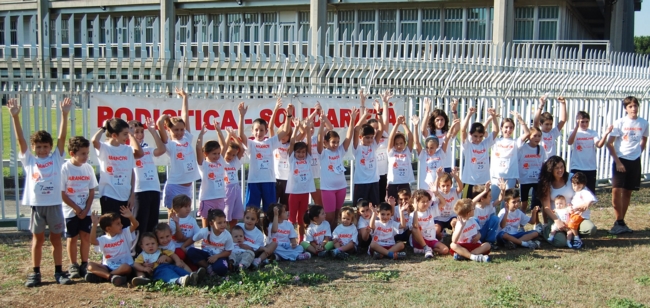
{"x":200,"y":111}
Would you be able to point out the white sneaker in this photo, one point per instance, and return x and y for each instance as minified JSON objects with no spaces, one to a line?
{"x":539,"y":228}
{"x":428,"y":253}
{"x":418,"y":250}
{"x":184,"y":281}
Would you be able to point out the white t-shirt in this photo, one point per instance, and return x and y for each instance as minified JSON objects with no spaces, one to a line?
{"x":503,"y":159}
{"x":631,"y":132}
{"x":317,"y":233}
{"x":232,"y":168}
{"x":116,"y":166}
{"x":449,"y":159}
{"x":285,"y":233}
{"x":563,"y":214}
{"x":363,"y":223}
{"x":260,"y":154}
{"x":583,"y":150}
{"x":300,"y":180}
{"x":345,"y":234}
{"x":400,"y":169}
{"x":255,"y":237}
{"x":471,"y":229}
{"x":482,"y":214}
{"x":281,"y":161}
{"x":582,"y":197}
{"x":213,"y":175}
{"x":384,"y":233}
{"x":515,"y":219}
{"x":146,"y":172}
{"x":365,"y":164}
{"x":76,"y":182}
{"x":429,"y":165}
{"x":530,"y":163}
{"x":407,"y":217}
{"x":183,"y":167}
{"x":476,"y":170}
{"x":426,"y":222}
{"x":549,"y":141}
{"x":332,"y":170}
{"x":212,"y":243}
{"x":116,"y":250}
{"x":451,"y":198}
{"x":43,"y":179}
{"x":382,"y":155}
{"x":566,"y":191}
{"x":188,"y":226}
{"x":236,"y":247}
{"x":314,"y":159}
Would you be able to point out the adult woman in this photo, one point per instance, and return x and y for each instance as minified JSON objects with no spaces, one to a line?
{"x":554,"y":181}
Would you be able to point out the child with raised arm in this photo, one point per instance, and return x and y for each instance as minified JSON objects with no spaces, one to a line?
{"x":213,"y":174}
{"x":504,"y":154}
{"x":216,"y":245}
{"x":301,"y":181}
{"x":511,"y":218}
{"x":366,"y":177}
{"x":345,"y":235}
{"x":78,"y":185}
{"x":232,"y":158}
{"x":466,"y":239}
{"x":531,"y":158}
{"x":261,"y":187}
{"x":281,"y":231}
{"x":381,"y":117}
{"x":438,"y":125}
{"x":404,"y":200}
{"x":450,"y":194}
{"x":315,"y":153}
{"x":400,"y":168}
{"x":384,"y":230}
{"x":281,"y":164}
{"x":476,"y":149}
{"x":583,"y":142}
{"x":43,"y":189}
{"x":433,"y":157}
{"x":563,"y":212}
{"x":333,"y":182}
{"x":544,"y":121}
{"x":115,"y":245}
{"x":485,"y":212}
{"x":183,"y":168}
{"x":147,"y":184}
{"x":423,"y":228}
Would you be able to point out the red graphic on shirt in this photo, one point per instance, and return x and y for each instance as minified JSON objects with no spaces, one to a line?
{"x":473,"y":160}
{"x":275,"y":239}
{"x":277,"y":155}
{"x":395,"y":165}
{"x":376,"y":238}
{"x":180,"y":156}
{"x":363,"y":161}
{"x":139,"y":164}
{"x":525,"y":165}
{"x":70,"y":190}
{"x":36,"y":176}
{"x":211,"y":176}
{"x":579,"y":148}
{"x":626,"y":138}
{"x":497,"y":154}
{"x":330,"y":168}
{"x":296,"y":172}
{"x":109,"y":169}
{"x":108,"y":256}
{"x":227,"y":180}
{"x":259,"y":156}
{"x":545,"y":147}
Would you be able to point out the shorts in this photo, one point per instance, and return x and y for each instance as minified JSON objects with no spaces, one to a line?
{"x":385,"y":247}
{"x":281,"y":194}
{"x":631,"y":178}
{"x":172,"y":190}
{"x":403,"y":237}
{"x":515,"y":235}
{"x":234,"y":206}
{"x":207,"y":205}
{"x":111,"y":266}
{"x":444,"y":224}
{"x":260,"y":192}
{"x":417,"y":245}
{"x":368,"y":192}
{"x":110,"y":205}
{"x":470,"y":247}
{"x":75,"y":225}
{"x":317,"y":183}
{"x":392,"y":189}
{"x":524,"y":189}
{"x":51,"y":215}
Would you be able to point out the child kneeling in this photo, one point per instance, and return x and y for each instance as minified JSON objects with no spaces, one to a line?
{"x":466,"y":239}
{"x":153,"y":261}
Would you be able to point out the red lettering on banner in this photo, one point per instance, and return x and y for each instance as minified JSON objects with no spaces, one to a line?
{"x":265,"y":114}
{"x":141,"y":115}
{"x":331,"y":116}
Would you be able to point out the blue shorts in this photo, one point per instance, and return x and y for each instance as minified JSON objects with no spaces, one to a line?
{"x":260,"y":192}
{"x":172,"y":190}
{"x":515,"y":235}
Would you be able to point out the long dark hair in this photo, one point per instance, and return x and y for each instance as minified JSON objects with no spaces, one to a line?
{"x":431,"y":125}
{"x":546,"y":177}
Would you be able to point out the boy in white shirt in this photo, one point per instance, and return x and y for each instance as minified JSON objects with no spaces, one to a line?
{"x":363,"y":224}
{"x":42,"y":189}
{"x":366,"y":175}
{"x":384,"y":230}
{"x":544,"y":122}
{"x":183,"y":226}
{"x":485,"y":213}
{"x":115,"y":245}
{"x":580,"y":203}
{"x":78,"y":183}
{"x":466,"y":239}
{"x":242,"y":255}
{"x":511,"y":218}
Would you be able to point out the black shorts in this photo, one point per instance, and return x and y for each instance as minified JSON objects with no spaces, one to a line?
{"x":74,"y":225}
{"x":403,"y":237}
{"x":110,"y":205}
{"x":445,"y":224}
{"x":591,"y":178}
{"x":369,"y":192}
{"x":383,"y":183}
{"x":281,"y":192}
{"x":525,"y":190}
{"x":392,"y":189}
{"x":631,"y":178}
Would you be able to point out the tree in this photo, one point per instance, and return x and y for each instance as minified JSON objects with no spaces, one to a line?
{"x":642,"y":45}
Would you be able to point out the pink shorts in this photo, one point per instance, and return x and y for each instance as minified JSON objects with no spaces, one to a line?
{"x":234,"y":206}
{"x":431,"y":244}
{"x":207,"y":205}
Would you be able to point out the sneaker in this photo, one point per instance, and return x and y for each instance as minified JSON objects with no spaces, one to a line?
{"x":399,"y":255}
{"x":201,"y":274}
{"x":627,"y":229}
{"x":458,"y":257}
{"x":418,"y":251}
{"x":484,"y":258}
{"x":74,"y":271}
{"x":140,"y":281}
{"x":577,"y":243}
{"x":62,"y":278}
{"x":184,"y":281}
{"x":342,"y":255}
{"x":83,"y":270}
{"x":194,"y":278}
{"x":322,"y":253}
{"x":619,"y":229}
{"x":493,"y":247}
{"x":537,"y":244}
{"x":210,"y":271}
{"x":539,"y":228}
{"x":304,"y":256}
{"x":530,"y":246}
{"x":334,"y":252}
{"x":118,"y":280}
{"x":231,"y":265}
{"x":510,"y":245}
{"x":377,"y":255}
{"x":257,"y":262}
{"x":33,"y":280}
{"x":428,"y":253}
{"x":254,"y":267}
{"x":92,"y":278}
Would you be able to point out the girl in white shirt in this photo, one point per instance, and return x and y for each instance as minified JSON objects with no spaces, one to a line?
{"x":583,"y":142}
{"x":333,"y":183}
{"x":319,"y":234}
{"x":476,"y":150}
{"x":381,"y":115}
{"x":544,"y":121}
{"x":282,"y":232}
{"x":232,"y":158}
{"x":345,"y":234}
{"x":531,"y":158}
{"x":400,"y":170}
{"x":366,"y":176}
{"x":434,"y":156}
{"x":503,"y":160}
{"x":183,"y":168}
{"x":116,"y":164}
{"x":253,"y":234}
{"x":465,"y":241}
{"x":301,"y":180}
{"x":216,"y":245}
{"x":281,"y":164}
{"x":423,"y":227}
{"x":449,"y":194}
{"x":437,"y":124}
{"x":212,"y":170}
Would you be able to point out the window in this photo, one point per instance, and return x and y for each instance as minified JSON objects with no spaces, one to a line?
{"x":346,"y":25}
{"x":77,"y":31}
{"x":409,"y":26}
{"x":200,"y":22}
{"x":216,"y":20}
{"x":387,"y":23}
{"x":476,"y":23}
{"x":548,"y":19}
{"x":453,"y":24}
{"x":149,"y":30}
{"x":232,"y":27}
{"x":367,"y":23}
{"x":431,"y":24}
{"x":524,"y":23}
{"x":53,"y":30}
{"x":2,"y":30}
{"x":303,"y":25}
{"x":251,"y":27}
{"x":183,"y":20}
{"x":330,"y":26}
{"x":269,"y":25}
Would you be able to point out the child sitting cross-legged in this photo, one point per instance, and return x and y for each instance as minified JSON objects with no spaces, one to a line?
{"x":384,"y":230}
{"x":216,"y":245}
{"x":153,"y":262}
{"x":466,"y":239}
{"x":319,"y":234}
{"x":423,"y":237}
{"x":115,"y":245}
{"x":345,"y":235}
{"x":511,"y":218}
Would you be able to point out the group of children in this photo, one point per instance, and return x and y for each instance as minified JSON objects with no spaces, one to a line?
{"x":296,"y":161}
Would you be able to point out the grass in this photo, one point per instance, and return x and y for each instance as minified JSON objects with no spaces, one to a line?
{"x":607,"y":272}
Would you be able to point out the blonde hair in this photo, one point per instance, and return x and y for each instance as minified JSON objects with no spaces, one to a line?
{"x":463,"y":207}
{"x":350,"y":212}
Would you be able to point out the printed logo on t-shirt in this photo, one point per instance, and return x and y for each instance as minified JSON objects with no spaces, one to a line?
{"x":36,"y":176}
{"x":45,"y":165}
{"x":139,"y":164}
{"x":109,"y":170}
{"x":180,"y":156}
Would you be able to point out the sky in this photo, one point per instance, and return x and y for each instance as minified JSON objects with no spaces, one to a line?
{"x":641,"y":26}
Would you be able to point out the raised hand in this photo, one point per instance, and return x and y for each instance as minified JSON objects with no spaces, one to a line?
{"x":66,"y":105}
{"x":12,"y":105}
{"x":242,"y":108}
{"x":440,"y":171}
{"x":126,"y":212}
{"x":516,"y":115}
{"x":488,"y":185}
{"x":174,"y":217}
{"x":181,"y":92}
{"x":609,"y":129}
{"x":471,"y":110}
{"x":216,"y":124}
{"x":415,"y":120}
{"x":204,"y":129}
{"x":454,"y":104}
{"x":387,"y":96}
{"x":275,"y":211}
{"x":376,"y":106}
{"x":362,"y":97}
{"x":455,"y":171}
{"x":427,"y":105}
{"x":542,"y":100}
{"x":391,"y":200}
{"x":296,"y":122}
{"x":149,"y":124}
{"x":161,"y":120}
{"x":492,"y":112}
{"x":291,"y":110}
{"x":94,"y":217}
{"x":561,"y":99}
{"x":374,"y":209}
{"x":278,"y":103}
{"x":502,"y":185}
{"x":401,"y":120}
